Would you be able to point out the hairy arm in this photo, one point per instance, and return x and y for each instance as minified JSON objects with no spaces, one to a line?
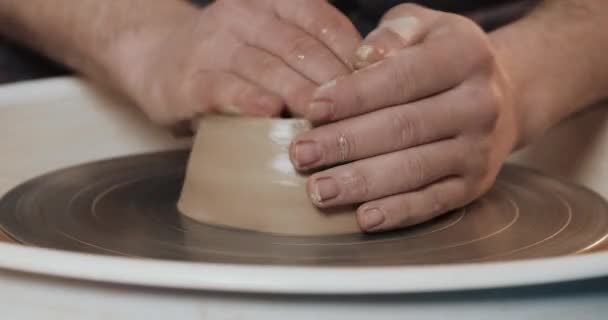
{"x":556,"y":57}
{"x":177,"y":62}
{"x":84,"y":35}
{"x":443,"y":103}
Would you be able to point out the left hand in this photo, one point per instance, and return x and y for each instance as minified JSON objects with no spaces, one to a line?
{"x":421,"y":129}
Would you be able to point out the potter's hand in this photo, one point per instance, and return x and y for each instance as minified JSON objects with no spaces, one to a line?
{"x":237,"y":56}
{"x":423,"y":127}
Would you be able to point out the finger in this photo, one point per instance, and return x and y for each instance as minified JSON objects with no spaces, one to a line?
{"x":385,"y":175}
{"x":415,"y":207}
{"x":380,"y":132}
{"x":401,"y":27}
{"x":268,"y":71}
{"x":325,"y":23}
{"x":414,"y":73}
{"x":298,"y":49}
{"x":227,"y":93}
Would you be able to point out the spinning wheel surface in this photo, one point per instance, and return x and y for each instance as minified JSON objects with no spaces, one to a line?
{"x":126,"y":207}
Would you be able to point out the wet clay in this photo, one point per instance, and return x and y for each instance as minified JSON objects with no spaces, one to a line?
{"x":239,"y":175}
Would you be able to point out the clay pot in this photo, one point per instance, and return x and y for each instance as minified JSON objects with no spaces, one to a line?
{"x":240,"y":176}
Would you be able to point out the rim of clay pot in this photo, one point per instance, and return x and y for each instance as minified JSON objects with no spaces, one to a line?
{"x":288,"y":199}
{"x":254,"y":121}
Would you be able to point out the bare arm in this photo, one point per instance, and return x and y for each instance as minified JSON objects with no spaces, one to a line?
{"x":177,"y":61}
{"x":85,"y":34}
{"x":557,"y":57}
{"x":439,"y":105}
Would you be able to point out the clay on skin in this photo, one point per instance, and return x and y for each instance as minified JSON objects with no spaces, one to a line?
{"x":404,"y":27}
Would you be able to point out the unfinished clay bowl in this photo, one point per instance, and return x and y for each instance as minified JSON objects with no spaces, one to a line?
{"x":239,"y":175}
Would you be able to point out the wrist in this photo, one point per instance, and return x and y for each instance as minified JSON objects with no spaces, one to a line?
{"x":515,"y":84}
{"x":540,"y":88}
{"x":555,"y":68}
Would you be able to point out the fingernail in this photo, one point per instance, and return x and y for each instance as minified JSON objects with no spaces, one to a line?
{"x":324,"y":189}
{"x":371,"y":219}
{"x":405,"y":27}
{"x":320,"y":111}
{"x":306,"y":153}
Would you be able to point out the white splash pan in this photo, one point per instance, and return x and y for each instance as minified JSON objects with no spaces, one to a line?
{"x":50,"y":124}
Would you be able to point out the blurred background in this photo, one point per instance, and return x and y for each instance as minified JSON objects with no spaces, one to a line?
{"x":18,"y":63}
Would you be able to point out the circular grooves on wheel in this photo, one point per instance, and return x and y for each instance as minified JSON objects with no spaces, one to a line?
{"x":127,"y":206}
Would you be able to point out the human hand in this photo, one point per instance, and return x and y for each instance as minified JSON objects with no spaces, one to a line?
{"x":422,"y":128}
{"x":236,"y":56}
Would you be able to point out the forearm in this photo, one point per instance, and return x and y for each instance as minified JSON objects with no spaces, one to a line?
{"x":84,"y":34}
{"x":557,"y":62}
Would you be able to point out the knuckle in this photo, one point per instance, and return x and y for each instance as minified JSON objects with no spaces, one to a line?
{"x":360,"y":100}
{"x":245,"y":95}
{"x":269,"y":62}
{"x":356,"y":184}
{"x":478,"y":161}
{"x":486,"y":184}
{"x":438,"y":202}
{"x":401,"y":210}
{"x":238,"y":58}
{"x":415,"y":166}
{"x":299,"y":45}
{"x":485,"y":57}
{"x":346,"y":146}
{"x":464,"y":23}
{"x":490,"y":114}
{"x":494,"y":96}
{"x":459,"y":160}
{"x":159,"y":114}
{"x":405,"y":130}
{"x":226,"y":8}
{"x":335,"y":22}
{"x":298,"y":94}
{"x":478,"y":48}
{"x":403,"y":81}
{"x":461,"y":195}
{"x":490,"y":99}
{"x":461,"y":24}
{"x":185,"y":101}
{"x":476,"y":187}
{"x":402,"y":219}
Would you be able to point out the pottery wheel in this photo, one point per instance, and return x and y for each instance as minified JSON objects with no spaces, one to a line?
{"x":126,"y":207}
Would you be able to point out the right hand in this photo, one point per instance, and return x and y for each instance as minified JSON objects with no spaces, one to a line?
{"x":236,"y":56}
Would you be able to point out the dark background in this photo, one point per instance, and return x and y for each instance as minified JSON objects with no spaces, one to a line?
{"x":17,"y":63}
